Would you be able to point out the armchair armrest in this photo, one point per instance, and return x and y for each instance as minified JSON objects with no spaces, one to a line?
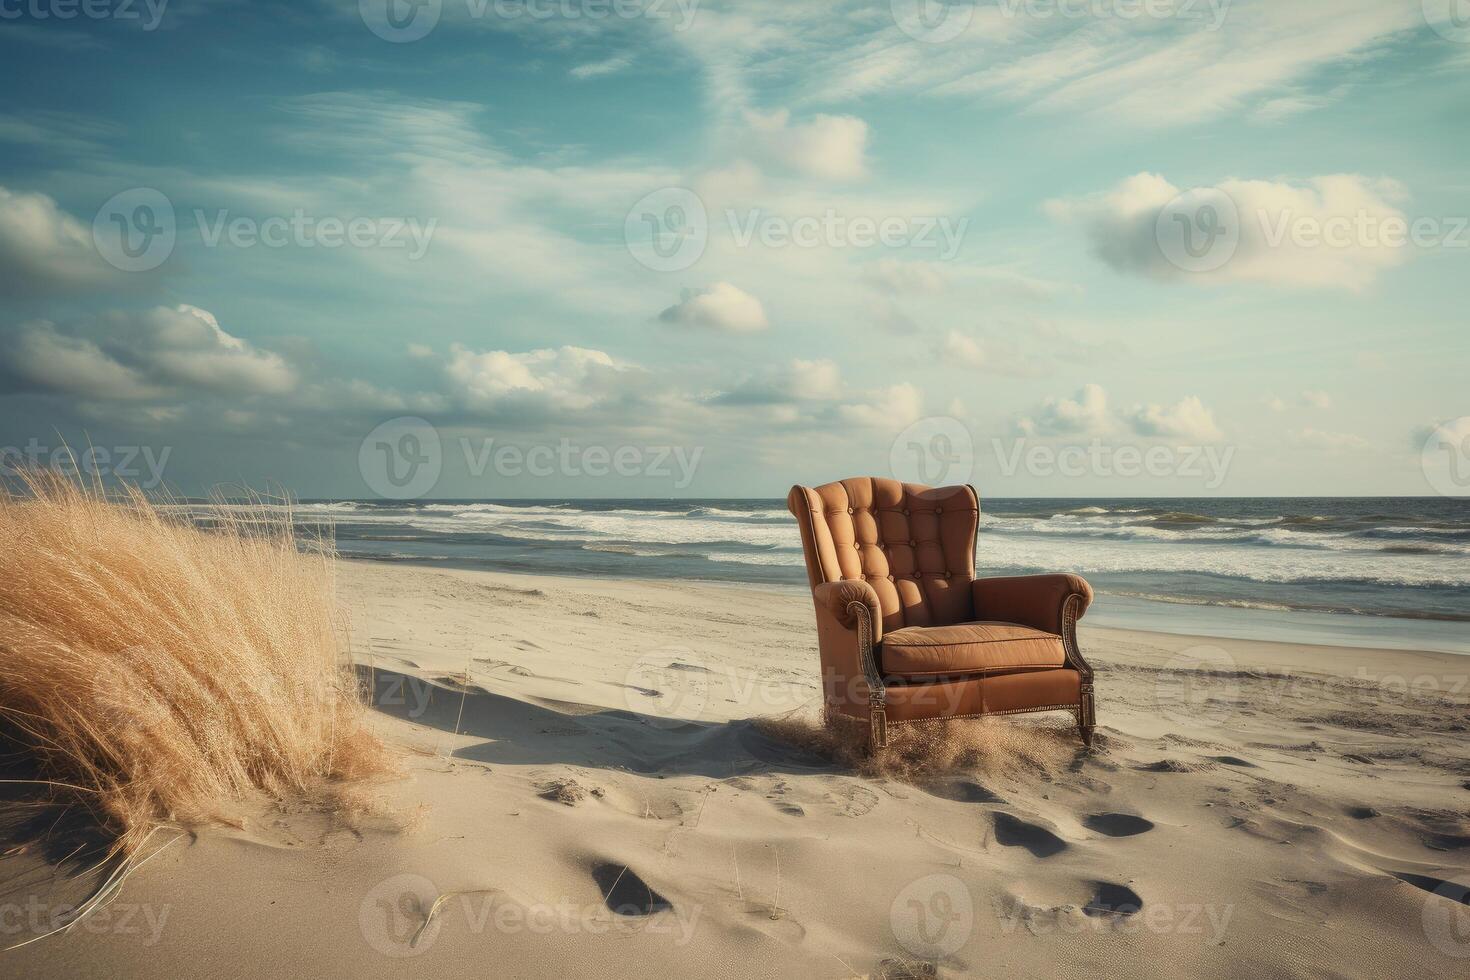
{"x":853,"y":604}
{"x":838,"y":597}
{"x":1038,"y":601}
{"x":1052,"y":603}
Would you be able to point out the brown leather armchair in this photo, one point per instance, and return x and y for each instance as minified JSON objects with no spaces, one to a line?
{"x":907,"y":632}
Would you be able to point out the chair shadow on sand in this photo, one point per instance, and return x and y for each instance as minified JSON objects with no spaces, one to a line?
{"x":546,"y":732}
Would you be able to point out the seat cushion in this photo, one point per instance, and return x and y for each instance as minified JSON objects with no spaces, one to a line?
{"x":918,"y":652}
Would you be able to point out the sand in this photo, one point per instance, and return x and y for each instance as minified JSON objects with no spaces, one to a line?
{"x":1251,"y":809}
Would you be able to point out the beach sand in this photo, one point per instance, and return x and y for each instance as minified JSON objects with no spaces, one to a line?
{"x":1275,"y":810}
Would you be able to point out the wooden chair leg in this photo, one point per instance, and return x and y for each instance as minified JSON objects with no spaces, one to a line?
{"x":1086,"y":715}
{"x":878,"y":725}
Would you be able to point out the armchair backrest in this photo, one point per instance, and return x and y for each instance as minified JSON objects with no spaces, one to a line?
{"x":914,"y":544}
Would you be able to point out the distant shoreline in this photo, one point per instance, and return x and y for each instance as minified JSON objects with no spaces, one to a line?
{"x":1112,"y":612}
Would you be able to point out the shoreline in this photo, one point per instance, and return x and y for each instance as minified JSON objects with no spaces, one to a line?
{"x":1122,"y":612}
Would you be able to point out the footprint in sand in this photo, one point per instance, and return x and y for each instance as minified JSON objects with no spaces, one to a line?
{"x":1113,"y":900}
{"x":1169,"y":765}
{"x":1454,"y":890}
{"x":961,"y":791}
{"x":852,"y":800}
{"x":1117,"y":824}
{"x":892,"y":969}
{"x":626,"y":893}
{"x":1012,"y":831}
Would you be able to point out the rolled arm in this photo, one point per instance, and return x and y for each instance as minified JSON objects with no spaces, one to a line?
{"x":838,"y":597}
{"x":1052,"y":603}
{"x":853,"y":604}
{"x":1038,"y":601}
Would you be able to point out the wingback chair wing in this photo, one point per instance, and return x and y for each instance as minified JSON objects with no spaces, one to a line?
{"x":906,"y":631}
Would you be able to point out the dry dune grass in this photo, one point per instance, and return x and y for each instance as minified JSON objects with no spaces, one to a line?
{"x":922,"y":752}
{"x":156,"y":672}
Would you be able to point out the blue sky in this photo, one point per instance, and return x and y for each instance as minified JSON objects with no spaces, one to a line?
{"x":1031,"y":168}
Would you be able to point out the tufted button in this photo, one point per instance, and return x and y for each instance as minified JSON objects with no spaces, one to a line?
{"x":939,"y":510}
{"x":905,"y":512}
{"x":948,"y":574}
{"x":849,"y":510}
{"x":913,"y":544}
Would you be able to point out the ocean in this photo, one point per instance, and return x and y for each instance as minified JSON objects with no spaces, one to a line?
{"x":1390,"y":572}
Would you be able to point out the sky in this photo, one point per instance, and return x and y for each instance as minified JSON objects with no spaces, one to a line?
{"x":647,"y":248}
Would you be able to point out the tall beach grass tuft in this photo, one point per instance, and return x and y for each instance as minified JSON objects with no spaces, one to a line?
{"x":158,"y":672}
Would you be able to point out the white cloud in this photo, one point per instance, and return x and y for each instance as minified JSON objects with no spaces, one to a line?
{"x":57,"y":132}
{"x":1086,"y":414}
{"x":815,"y":379}
{"x":888,"y":408}
{"x":152,"y":354}
{"x":795,"y":381}
{"x":963,"y":350}
{"x":541,"y":383}
{"x":894,"y":276}
{"x":1331,"y":442}
{"x":597,"y":69}
{"x":43,"y":249}
{"x":1327,"y":231}
{"x":1287,"y":107}
{"x":1307,"y":399}
{"x":1089,"y":414}
{"x":721,"y":306}
{"x":811,"y":393}
{"x":1209,"y":59}
{"x":1316,"y":399}
{"x":825,"y":147}
{"x":185,"y":346}
{"x":40,"y":358}
{"x":1188,"y":419}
